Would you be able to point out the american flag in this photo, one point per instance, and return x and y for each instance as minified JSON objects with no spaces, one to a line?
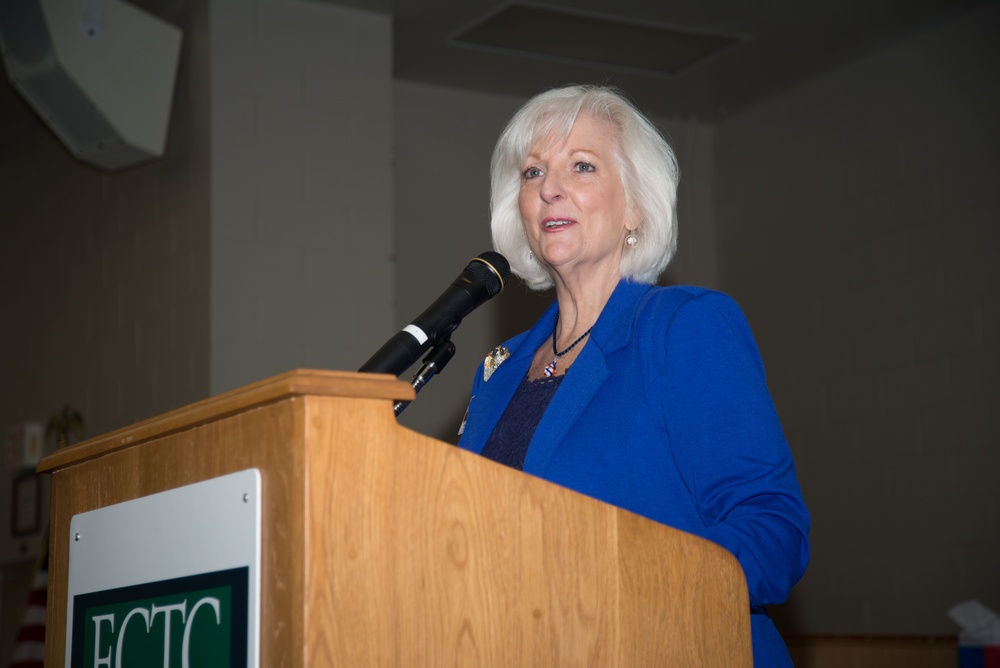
{"x":29,"y":648}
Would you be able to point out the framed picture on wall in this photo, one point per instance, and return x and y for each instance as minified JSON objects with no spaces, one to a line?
{"x":26,"y":505}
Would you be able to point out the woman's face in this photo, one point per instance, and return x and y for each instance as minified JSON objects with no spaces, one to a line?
{"x":572,"y":201}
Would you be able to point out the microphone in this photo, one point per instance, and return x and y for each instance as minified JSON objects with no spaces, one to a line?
{"x":481,"y":280}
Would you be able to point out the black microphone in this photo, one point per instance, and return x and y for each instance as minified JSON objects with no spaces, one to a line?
{"x":482,"y":279}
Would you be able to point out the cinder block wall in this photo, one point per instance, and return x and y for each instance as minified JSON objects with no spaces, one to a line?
{"x":443,"y":142}
{"x":302,"y":188}
{"x":103,"y":284}
{"x":260,"y":242}
{"x":103,"y":275}
{"x":858,"y":221}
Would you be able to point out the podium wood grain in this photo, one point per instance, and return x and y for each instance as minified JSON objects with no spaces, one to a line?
{"x":383,"y":547}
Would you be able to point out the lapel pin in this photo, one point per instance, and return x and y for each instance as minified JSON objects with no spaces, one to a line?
{"x":494,"y":360}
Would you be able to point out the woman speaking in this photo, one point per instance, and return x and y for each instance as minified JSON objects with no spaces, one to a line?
{"x":649,"y":398}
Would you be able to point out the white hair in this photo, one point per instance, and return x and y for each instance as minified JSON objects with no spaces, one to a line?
{"x":647,"y":165}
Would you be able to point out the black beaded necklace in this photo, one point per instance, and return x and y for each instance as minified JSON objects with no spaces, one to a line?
{"x":550,"y":368}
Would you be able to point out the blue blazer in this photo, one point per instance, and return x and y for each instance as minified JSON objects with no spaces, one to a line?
{"x":665,"y":412}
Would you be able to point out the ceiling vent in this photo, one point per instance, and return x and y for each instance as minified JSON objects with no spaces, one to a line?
{"x":575,"y":37}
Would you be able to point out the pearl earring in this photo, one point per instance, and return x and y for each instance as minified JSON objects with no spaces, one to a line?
{"x":631,"y":239}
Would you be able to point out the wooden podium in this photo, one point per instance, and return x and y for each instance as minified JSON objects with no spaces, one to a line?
{"x":381,"y":546}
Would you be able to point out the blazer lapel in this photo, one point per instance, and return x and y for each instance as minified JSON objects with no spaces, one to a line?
{"x":495,"y":394}
{"x":589,"y":372}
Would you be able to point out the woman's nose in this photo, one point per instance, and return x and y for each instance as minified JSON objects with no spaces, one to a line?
{"x":552,"y":187}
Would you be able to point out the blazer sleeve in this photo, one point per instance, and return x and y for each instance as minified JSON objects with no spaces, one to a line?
{"x":728,"y":445}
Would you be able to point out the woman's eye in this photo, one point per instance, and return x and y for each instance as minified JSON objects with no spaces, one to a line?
{"x":584,"y":167}
{"x":532,"y":172}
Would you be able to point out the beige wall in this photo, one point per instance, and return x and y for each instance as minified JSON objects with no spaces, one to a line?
{"x":442,"y":145}
{"x":858,"y":220}
{"x":302,"y":183}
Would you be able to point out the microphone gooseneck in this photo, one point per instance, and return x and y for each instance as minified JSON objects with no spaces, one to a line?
{"x":434,"y":363}
{"x":482,"y":279}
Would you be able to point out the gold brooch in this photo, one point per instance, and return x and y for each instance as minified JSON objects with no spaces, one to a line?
{"x":493,"y":360}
